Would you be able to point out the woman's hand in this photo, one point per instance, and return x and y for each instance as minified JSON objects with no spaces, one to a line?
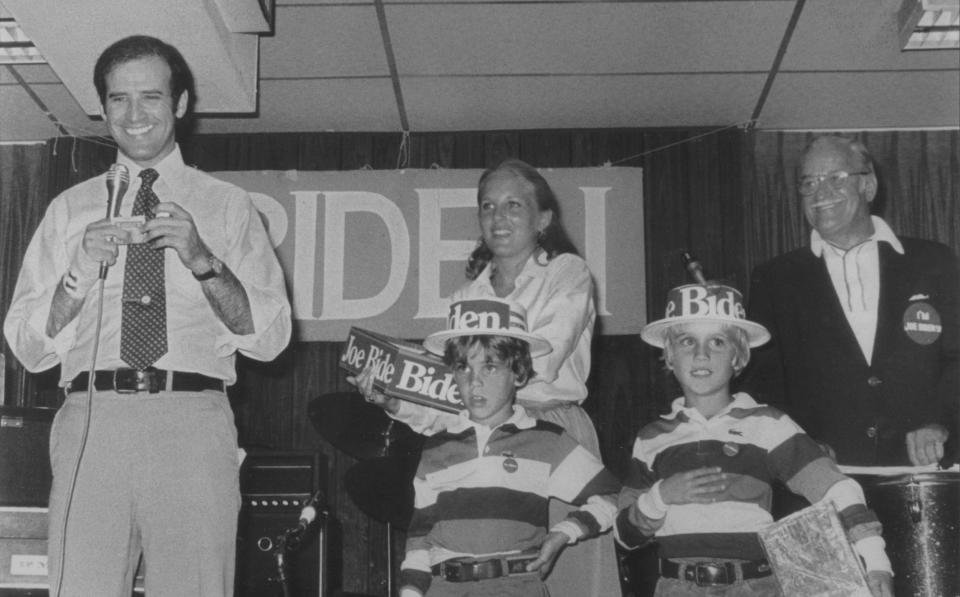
{"x":698,"y":486}
{"x":364,"y":384}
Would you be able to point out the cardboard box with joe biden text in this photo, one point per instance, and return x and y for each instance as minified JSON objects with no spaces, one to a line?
{"x":402,"y":369}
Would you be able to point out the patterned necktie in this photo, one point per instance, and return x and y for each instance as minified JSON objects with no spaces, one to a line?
{"x":143,"y":327}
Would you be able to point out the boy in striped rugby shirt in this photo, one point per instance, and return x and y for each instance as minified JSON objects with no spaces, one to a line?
{"x":700,"y":478}
{"x":483,"y":486}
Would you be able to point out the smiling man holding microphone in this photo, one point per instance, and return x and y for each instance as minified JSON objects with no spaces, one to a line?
{"x":145,"y":321}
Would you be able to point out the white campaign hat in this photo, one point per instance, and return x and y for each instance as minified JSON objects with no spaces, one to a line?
{"x":712,"y":302}
{"x":487,"y":317}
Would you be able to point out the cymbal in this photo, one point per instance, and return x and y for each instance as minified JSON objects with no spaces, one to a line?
{"x":383,"y":488}
{"x":360,"y":429}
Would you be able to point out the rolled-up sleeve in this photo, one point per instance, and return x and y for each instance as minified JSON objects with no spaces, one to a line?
{"x":45,"y":262}
{"x":563,"y":315}
{"x":253,"y":261}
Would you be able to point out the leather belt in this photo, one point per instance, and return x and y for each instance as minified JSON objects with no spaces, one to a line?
{"x":464,"y":570}
{"x":130,"y":381}
{"x":708,"y":574}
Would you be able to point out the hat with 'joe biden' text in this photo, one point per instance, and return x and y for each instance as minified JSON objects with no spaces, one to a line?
{"x":712,"y":302}
{"x":487,"y":317}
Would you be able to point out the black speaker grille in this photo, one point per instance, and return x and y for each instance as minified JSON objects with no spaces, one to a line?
{"x":274,"y":486}
{"x":24,"y":456}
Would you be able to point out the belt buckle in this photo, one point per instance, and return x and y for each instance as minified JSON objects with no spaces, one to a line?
{"x":458,"y":571}
{"x":518,"y":564}
{"x":131,"y":381}
{"x":450,"y":571}
{"x":712,"y":574}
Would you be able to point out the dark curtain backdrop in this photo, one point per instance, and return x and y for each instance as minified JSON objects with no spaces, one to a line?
{"x":726,"y":196}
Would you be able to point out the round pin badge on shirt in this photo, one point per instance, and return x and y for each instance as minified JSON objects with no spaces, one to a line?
{"x":921,"y":322}
{"x":510,"y":465}
{"x":731,"y":449}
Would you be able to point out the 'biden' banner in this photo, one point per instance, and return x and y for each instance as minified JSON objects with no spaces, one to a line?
{"x":382,"y":249}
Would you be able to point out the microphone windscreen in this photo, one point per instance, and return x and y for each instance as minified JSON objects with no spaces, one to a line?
{"x":118,"y":180}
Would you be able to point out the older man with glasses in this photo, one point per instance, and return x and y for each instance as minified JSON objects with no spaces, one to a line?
{"x":865,"y":323}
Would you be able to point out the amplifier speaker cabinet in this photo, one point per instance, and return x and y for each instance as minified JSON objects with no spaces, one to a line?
{"x":275,"y":486}
{"x":23,"y":548}
{"x":24,"y":492}
{"x":25,"y":456}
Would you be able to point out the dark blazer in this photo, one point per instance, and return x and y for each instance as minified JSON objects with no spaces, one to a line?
{"x":814,"y":369}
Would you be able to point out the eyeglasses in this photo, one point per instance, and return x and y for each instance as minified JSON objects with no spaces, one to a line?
{"x":809,"y":184}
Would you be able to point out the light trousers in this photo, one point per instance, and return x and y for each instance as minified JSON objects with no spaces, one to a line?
{"x":159,"y":475}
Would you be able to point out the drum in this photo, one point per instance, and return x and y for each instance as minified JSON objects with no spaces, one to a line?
{"x":920,"y":513}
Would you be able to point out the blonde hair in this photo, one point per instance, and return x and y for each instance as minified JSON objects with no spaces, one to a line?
{"x":737,"y":336}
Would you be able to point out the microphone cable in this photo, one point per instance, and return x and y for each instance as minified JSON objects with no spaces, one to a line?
{"x":117,"y":180}
{"x":72,"y":483}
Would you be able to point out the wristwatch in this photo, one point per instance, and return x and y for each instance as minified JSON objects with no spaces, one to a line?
{"x":216,"y":266}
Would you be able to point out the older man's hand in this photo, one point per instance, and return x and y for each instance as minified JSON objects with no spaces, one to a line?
{"x":925,"y":445}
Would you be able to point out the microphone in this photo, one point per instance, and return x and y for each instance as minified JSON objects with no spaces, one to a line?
{"x":693,"y":266}
{"x":309,"y":513}
{"x":118,"y":179}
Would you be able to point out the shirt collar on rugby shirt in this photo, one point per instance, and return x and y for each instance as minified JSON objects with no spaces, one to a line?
{"x":740,"y":400}
{"x":881,"y":232}
{"x":520,"y":418}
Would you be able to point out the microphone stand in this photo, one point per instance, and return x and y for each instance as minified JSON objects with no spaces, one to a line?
{"x":280,"y":556}
{"x":289,"y":541}
{"x":386,"y":452}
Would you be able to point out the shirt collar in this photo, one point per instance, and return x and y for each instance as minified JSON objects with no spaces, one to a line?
{"x":520,"y":418}
{"x":881,"y":232}
{"x":533,"y":268}
{"x":166,"y":169}
{"x":740,"y":400}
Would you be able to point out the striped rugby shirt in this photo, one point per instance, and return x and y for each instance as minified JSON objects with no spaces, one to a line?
{"x":481,"y":491}
{"x":757,"y":444}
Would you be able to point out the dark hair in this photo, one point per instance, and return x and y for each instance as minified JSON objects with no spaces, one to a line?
{"x":515,"y":353}
{"x":554,"y":240}
{"x":142,"y":46}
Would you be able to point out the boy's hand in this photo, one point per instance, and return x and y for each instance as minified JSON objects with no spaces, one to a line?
{"x":364,"y":383}
{"x":698,"y":486}
{"x":880,"y":583}
{"x":550,"y":549}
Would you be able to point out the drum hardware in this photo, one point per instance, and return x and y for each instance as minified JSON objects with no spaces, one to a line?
{"x":915,"y":505}
{"x":381,"y":485}
{"x":383,"y":488}
{"x":921,"y":527}
{"x":360,"y":429}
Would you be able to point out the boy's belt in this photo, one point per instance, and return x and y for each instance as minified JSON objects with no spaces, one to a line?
{"x":706,"y":574}
{"x":129,"y":381}
{"x":464,"y":570}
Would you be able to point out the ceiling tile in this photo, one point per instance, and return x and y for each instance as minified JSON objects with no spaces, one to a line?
{"x":586,"y":38}
{"x":856,"y":35}
{"x":315,"y":106}
{"x":31,"y":73}
{"x":863,"y":101}
{"x":491,"y":103}
{"x":32,"y":123}
{"x":323,"y":41}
